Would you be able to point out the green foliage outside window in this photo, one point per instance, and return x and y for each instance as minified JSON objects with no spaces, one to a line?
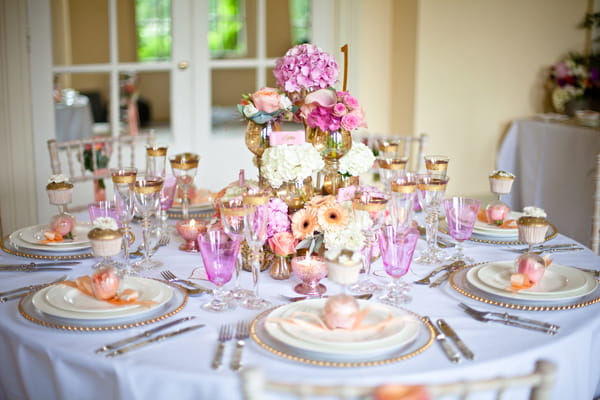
{"x":153,"y":26}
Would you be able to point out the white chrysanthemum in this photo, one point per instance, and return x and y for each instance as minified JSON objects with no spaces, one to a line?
{"x":287,"y":163}
{"x":250,"y":110}
{"x":106,"y":223}
{"x":534,"y":212}
{"x":58,"y":178}
{"x":285,"y":103}
{"x":359,"y":160}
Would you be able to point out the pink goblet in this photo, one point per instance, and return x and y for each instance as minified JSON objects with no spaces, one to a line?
{"x":397,"y":249}
{"x":219,"y":252}
{"x":310,"y":270}
{"x":189,"y":229}
{"x":103,"y":209}
{"x":461,"y":215}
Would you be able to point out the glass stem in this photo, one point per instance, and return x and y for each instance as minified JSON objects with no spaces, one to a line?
{"x":432,"y":227}
{"x":146,"y":236}
{"x":185,"y":203}
{"x":369,"y":240}
{"x":255,"y":270}
{"x":459,"y":250}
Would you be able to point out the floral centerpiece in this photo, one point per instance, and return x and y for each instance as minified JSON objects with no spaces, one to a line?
{"x":264,"y":105}
{"x":359,"y":160}
{"x":305,"y":68}
{"x":290,"y":162}
{"x":330,"y":110}
{"x":575,"y":77}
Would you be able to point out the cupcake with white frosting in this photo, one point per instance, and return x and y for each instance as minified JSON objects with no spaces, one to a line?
{"x":106,"y":238}
{"x":533,"y":225}
{"x":501,"y":182}
{"x":59,"y":189}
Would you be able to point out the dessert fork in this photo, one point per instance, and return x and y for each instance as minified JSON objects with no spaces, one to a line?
{"x":242,"y":333}
{"x":512,"y":320}
{"x":225,"y":335}
{"x":169,"y":276}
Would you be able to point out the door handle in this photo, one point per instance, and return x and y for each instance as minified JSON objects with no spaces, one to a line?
{"x":182,"y":65}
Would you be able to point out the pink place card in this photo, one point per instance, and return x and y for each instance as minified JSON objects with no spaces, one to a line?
{"x":286,"y":137}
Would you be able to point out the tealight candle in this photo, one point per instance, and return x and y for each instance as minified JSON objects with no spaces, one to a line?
{"x":189,"y":229}
{"x":310,"y":270}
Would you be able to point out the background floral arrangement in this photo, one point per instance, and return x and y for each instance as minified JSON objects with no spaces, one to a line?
{"x":329,"y":110}
{"x":575,"y":76}
{"x":305,"y":67}
{"x":265,"y":105}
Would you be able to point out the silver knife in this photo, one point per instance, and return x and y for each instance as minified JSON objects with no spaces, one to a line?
{"x":48,"y":266}
{"x":446,"y":274}
{"x":26,"y":289}
{"x":144,"y":334}
{"x":441,"y":338}
{"x":448,"y":331}
{"x":153,"y":340}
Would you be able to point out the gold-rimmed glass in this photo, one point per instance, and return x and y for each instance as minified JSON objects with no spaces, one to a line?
{"x":156,"y":165}
{"x":390,"y":169}
{"x":437,"y":165}
{"x":146,"y":194}
{"x":123,"y":180}
{"x":185,"y":166}
{"x":430,"y":192}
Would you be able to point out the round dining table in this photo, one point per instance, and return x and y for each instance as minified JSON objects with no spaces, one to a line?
{"x":41,"y":361}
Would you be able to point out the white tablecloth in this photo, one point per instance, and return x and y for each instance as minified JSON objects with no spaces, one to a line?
{"x":44,"y":363}
{"x":75,"y":121}
{"x":554,"y":164}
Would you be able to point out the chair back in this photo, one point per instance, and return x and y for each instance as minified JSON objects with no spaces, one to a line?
{"x":596,"y":217}
{"x":411,"y":147}
{"x":539,"y":382}
{"x":88,"y":160}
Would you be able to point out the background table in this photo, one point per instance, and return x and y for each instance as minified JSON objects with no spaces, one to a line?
{"x":554,"y":163}
{"x":44,"y":363}
{"x":74,"y":121}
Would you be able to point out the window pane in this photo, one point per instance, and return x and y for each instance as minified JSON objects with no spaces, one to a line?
{"x":288,"y":24}
{"x":227,"y":29}
{"x":228,"y":86}
{"x":152,"y":91}
{"x":152,"y":28}
{"x":80,"y":32}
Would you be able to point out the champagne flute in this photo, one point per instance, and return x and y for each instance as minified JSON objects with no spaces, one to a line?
{"x":390,"y":169}
{"x":397,"y":245}
{"x":437,"y":166}
{"x":232,"y":217}
{"x":461,"y":215}
{"x":255,"y":232}
{"x":146,"y":192}
{"x":219,"y":252}
{"x":184,"y":168}
{"x":430,"y":191}
{"x":123,"y":180}
{"x":156,"y":165}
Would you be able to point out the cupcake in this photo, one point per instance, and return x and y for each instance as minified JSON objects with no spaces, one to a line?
{"x":59,"y":189}
{"x":501,"y":182}
{"x":341,"y":312}
{"x":344,"y":270}
{"x":106,"y":237}
{"x":533,"y":225}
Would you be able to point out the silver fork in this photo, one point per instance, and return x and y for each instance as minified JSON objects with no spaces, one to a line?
{"x":162,"y":241}
{"x":168,"y":275}
{"x":512,"y":320}
{"x":427,"y":279}
{"x":225,"y":334}
{"x":242,"y":333}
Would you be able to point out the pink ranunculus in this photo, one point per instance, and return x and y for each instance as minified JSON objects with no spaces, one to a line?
{"x":350,"y":122}
{"x":266,"y":99}
{"x":323,"y":97}
{"x":339,"y":110}
{"x":497,"y":213}
{"x":283,"y":243}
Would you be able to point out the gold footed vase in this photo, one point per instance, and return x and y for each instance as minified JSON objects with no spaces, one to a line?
{"x":257,"y":141}
{"x":281,"y":267}
{"x":332,"y":145}
{"x":266,"y":257}
{"x":295,"y":193}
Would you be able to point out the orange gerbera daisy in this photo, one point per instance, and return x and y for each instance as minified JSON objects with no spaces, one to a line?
{"x":332,"y":217}
{"x":304,"y":223}
{"x":318,"y":201}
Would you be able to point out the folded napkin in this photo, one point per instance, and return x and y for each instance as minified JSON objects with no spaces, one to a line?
{"x":401,"y":392}
{"x":127,"y":296}
{"x":507,"y":224}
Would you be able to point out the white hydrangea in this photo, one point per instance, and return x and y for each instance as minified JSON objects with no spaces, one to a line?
{"x":106,"y":223}
{"x":359,"y":160}
{"x":58,"y":178}
{"x":290,"y":162}
{"x":534,"y":212}
{"x":350,"y":238}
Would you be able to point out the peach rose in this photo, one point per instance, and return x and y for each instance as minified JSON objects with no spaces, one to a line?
{"x":266,"y":99}
{"x":105,"y":284}
{"x":283,"y":243}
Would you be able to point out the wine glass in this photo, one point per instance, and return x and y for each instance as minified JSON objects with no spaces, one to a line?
{"x":430,"y":191}
{"x":369,"y":206}
{"x":184,"y":168}
{"x":219,"y":252}
{"x":461,"y":215}
{"x":436,"y":165}
{"x":167,"y":195}
{"x":397,"y":248}
{"x":146,"y":191}
{"x":232,"y":217}
{"x":390,"y":169}
{"x":123,"y":180}
{"x":403,"y":190}
{"x":310,"y":270}
{"x":255,"y":233}
{"x":156,"y":165}
{"x":104,"y":208}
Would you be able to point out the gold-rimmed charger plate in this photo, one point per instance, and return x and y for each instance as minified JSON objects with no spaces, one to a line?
{"x":551,"y":234}
{"x":28,"y":310}
{"x":9,"y":247}
{"x":458,"y":281}
{"x":259,"y":334}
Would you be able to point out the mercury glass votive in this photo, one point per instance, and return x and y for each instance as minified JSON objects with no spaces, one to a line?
{"x":189,"y":229}
{"x":310,"y":270}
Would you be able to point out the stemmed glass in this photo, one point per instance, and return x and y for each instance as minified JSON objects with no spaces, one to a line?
{"x":255,"y":232}
{"x":156,"y":165}
{"x":123,"y":180}
{"x":146,"y":191}
{"x":430,"y":191}
{"x":461,"y":215}
{"x":397,"y":248}
{"x":403,"y":190}
{"x":232,"y":217}
{"x":184,"y":168}
{"x":167,"y":195}
{"x":370,"y":206}
{"x":390,"y":169}
{"x":437,"y":166}
{"x":310,"y":270}
{"x":219,"y":252}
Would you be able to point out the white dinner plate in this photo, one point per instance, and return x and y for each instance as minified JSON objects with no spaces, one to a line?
{"x":559,"y":282}
{"x":34,"y":234}
{"x":397,"y":334}
{"x":15,"y":238}
{"x":484,"y":229}
{"x":66,"y":302}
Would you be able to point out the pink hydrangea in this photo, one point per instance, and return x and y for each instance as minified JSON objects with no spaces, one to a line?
{"x":279,"y":220}
{"x":305,"y":67}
